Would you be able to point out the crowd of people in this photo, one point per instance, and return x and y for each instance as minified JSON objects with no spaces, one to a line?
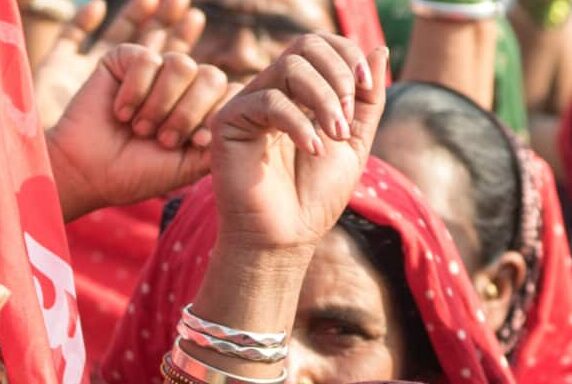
{"x":285,"y":191}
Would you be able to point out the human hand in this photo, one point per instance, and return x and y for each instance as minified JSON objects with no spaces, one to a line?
{"x":169,"y":25}
{"x":97,"y":158}
{"x":279,"y":181}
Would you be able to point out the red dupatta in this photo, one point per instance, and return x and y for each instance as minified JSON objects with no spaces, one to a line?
{"x":40,"y":332}
{"x":467,"y":350}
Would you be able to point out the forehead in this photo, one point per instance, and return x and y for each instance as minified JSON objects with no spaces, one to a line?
{"x":444,"y":181}
{"x":341,"y":274}
{"x":307,"y":11}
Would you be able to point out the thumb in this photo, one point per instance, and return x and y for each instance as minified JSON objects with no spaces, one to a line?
{"x":87,"y":19}
{"x":371,"y":103}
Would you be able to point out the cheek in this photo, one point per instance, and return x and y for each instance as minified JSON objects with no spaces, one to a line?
{"x":364,"y":364}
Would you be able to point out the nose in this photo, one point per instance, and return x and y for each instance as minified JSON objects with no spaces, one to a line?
{"x":243,"y":56}
{"x":299,"y":364}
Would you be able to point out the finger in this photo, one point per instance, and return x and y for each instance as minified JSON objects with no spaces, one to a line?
{"x":355,"y":58}
{"x":334,"y":68}
{"x":135,"y":68}
{"x":4,"y":295}
{"x":129,"y":20}
{"x":86,"y":20}
{"x":176,"y":74}
{"x":202,"y":137}
{"x":248,"y":116}
{"x":302,"y":82}
{"x":370,"y":103}
{"x":187,"y":32}
{"x":208,"y":87}
{"x":169,"y":13}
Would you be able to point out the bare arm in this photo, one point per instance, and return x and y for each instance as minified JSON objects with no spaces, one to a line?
{"x":547,"y":62}
{"x":457,"y":54}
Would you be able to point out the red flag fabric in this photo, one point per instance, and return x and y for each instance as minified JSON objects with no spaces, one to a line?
{"x":40,"y":332}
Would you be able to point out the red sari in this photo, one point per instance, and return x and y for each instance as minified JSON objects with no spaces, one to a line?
{"x":467,"y":350}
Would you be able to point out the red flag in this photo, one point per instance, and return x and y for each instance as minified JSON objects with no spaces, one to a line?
{"x":40,"y":332}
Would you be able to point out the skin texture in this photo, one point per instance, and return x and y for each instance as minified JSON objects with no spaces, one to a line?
{"x":344,"y":319}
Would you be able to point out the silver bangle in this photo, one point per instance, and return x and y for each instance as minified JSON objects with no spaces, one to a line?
{"x":479,"y":11}
{"x":260,"y":354}
{"x":242,"y":338}
{"x":208,"y":374}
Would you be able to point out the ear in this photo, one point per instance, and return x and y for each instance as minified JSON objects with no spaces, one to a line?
{"x":497,"y":283}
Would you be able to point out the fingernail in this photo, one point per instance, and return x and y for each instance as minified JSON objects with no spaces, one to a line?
{"x":143,"y":127}
{"x":348,"y":107}
{"x":4,"y":295}
{"x":202,"y":138}
{"x":318,"y":146}
{"x":386,"y":50}
{"x":363,"y":75}
{"x":169,"y":139}
{"x":342,"y":129}
{"x":126,"y":113}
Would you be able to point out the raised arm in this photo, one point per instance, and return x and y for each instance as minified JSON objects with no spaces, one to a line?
{"x":453,"y":43}
{"x":281,"y":183}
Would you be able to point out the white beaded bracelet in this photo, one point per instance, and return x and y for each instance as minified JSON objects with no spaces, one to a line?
{"x":242,"y":338}
{"x":260,"y":354}
{"x":452,"y":11}
{"x":205,"y":373}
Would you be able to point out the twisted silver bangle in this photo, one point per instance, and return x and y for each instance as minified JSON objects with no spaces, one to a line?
{"x":260,"y":354}
{"x":242,"y":338}
{"x":205,"y":373}
{"x":476,"y":11}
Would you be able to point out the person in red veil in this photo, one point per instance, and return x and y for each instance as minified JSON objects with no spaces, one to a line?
{"x":453,"y":316}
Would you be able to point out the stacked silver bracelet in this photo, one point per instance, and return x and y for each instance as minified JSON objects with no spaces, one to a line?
{"x":207,"y":374}
{"x":253,"y":346}
{"x":487,"y":9}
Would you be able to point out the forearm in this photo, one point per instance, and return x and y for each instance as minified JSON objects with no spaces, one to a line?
{"x":457,"y":54}
{"x":252,"y":290}
{"x":547,"y":62}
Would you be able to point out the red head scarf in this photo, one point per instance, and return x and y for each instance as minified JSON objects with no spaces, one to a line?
{"x":468,"y":352}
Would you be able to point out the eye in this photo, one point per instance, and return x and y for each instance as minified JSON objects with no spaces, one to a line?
{"x":335,"y":336}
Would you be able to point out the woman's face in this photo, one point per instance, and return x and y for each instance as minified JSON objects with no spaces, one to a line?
{"x":345,"y":330}
{"x":243,"y":37}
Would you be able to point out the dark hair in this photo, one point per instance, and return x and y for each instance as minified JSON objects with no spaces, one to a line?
{"x":477,"y":140}
{"x":383,"y":249}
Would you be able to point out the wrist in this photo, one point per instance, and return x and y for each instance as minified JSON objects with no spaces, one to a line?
{"x":76,"y":198}
{"x":252,"y":289}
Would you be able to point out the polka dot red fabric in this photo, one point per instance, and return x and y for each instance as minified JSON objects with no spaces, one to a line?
{"x":468,"y":352}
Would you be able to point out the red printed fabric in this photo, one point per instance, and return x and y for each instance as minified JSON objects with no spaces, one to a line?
{"x":40,"y":331}
{"x":467,"y":350}
{"x":109,"y":247}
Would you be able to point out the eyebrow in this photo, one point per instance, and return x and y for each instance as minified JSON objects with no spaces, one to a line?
{"x":346,"y":313}
{"x":268,"y":21}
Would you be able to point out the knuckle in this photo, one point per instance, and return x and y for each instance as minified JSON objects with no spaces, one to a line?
{"x":179,"y":63}
{"x":182,"y":121}
{"x":310,"y":42}
{"x":293,"y":63}
{"x":272,"y":99}
{"x":213,"y":76}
